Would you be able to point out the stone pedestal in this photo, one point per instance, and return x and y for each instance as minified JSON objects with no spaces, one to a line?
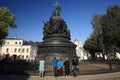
{"x":57,"y":45}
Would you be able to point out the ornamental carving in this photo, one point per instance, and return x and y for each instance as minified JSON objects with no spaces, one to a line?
{"x":55,"y":26}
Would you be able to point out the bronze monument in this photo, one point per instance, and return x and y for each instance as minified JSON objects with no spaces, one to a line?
{"x":56,"y":40}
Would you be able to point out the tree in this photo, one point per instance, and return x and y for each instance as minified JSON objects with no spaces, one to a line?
{"x":96,"y":24}
{"x":95,"y":42}
{"x":105,"y":37}
{"x":94,"y":45}
{"x":110,"y":23}
{"x":90,"y":45}
{"x":6,"y":20}
{"x":97,"y":32}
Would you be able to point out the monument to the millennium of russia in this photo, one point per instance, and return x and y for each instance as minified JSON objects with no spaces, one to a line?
{"x":56,"y":38}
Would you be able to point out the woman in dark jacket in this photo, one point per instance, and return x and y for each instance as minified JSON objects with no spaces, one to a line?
{"x":67,"y":67}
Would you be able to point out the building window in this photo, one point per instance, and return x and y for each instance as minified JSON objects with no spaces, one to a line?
{"x":19,"y":57}
{"x":23,"y":50}
{"x":27,"y":57}
{"x":19,"y":42}
{"x":27,"y":50}
{"x":7,"y":50}
{"x":15,"y":50}
{"x":22,"y":56}
{"x":15,"y":42}
{"x":7,"y":42}
{"x":19,"y":50}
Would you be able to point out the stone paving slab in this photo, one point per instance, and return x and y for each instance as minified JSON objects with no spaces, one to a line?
{"x":107,"y":76}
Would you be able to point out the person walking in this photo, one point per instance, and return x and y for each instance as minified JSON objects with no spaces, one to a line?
{"x":67,"y":67}
{"x":60,"y":65}
{"x":54,"y":62}
{"x":41,"y":68}
{"x":75,"y":64}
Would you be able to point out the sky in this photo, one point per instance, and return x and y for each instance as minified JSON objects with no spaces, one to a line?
{"x":77,"y":14}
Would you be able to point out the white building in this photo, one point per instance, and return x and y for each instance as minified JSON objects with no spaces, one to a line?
{"x":79,"y":50}
{"x":18,"y":49}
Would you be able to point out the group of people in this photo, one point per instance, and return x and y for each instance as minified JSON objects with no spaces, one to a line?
{"x":59,"y":65}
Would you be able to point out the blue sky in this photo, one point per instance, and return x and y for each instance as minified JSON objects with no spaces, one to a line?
{"x":77,"y":14}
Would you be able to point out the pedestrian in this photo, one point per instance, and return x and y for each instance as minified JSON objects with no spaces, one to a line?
{"x":60,"y":65}
{"x":75,"y":65}
{"x":41,"y":68}
{"x":54,"y":62}
{"x":67,"y":67}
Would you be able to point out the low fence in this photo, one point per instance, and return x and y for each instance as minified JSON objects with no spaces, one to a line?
{"x":91,"y":67}
{"x":31,"y":68}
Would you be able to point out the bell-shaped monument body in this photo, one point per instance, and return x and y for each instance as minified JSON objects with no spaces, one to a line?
{"x":56,"y":38}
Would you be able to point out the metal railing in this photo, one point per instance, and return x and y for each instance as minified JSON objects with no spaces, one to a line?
{"x":31,"y":68}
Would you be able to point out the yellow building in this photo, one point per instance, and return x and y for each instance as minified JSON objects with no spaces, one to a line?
{"x":18,"y":49}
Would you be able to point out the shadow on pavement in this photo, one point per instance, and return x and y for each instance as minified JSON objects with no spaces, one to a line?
{"x":14,"y":77}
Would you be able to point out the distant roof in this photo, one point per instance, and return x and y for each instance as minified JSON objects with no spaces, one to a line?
{"x":76,"y":40}
{"x":14,"y":38}
{"x":26,"y":43}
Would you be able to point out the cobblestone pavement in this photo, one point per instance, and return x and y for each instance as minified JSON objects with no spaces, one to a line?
{"x":107,"y":76}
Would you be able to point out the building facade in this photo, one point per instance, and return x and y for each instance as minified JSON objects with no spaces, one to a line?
{"x":18,"y":49}
{"x":79,"y":50}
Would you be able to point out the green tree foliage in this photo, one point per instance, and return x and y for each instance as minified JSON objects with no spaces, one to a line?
{"x":96,"y":24}
{"x":6,"y":20}
{"x":94,"y":44}
{"x":97,"y":32}
{"x":110,"y":23}
{"x":105,"y":37}
{"x":90,"y":46}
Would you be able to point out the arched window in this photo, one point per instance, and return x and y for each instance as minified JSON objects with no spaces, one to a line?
{"x":7,"y":50}
{"x":19,"y":42}
{"x":22,"y":56}
{"x":19,"y":50}
{"x":15,"y":50}
{"x":15,"y":42}
{"x":27,"y":50}
{"x":27,"y":57}
{"x":23,"y":50}
{"x":7,"y":42}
